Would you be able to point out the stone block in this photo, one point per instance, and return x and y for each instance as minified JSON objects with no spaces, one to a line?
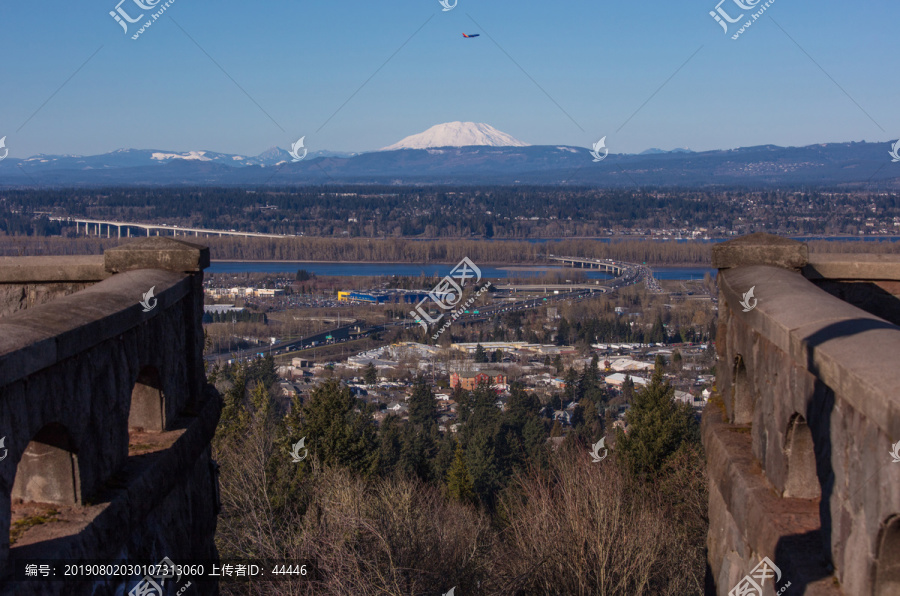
{"x":157,"y":252}
{"x":760,"y":249}
{"x":55,"y":269}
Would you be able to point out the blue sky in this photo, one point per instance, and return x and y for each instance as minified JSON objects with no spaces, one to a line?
{"x":593,"y":65}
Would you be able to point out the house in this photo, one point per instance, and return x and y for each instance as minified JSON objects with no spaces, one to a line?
{"x":684,"y":397}
{"x":563,"y":416}
{"x":288,"y":389}
{"x":470,"y":379}
{"x":618,"y":379}
{"x":629,"y":365}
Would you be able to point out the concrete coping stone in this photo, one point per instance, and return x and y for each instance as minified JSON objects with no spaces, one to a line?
{"x":851,"y":351}
{"x":33,"y":339}
{"x":59,"y":269}
{"x":856,"y":267}
{"x":760,"y":249}
{"x":157,"y":252}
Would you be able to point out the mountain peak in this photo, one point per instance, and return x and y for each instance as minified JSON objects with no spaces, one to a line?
{"x":457,"y":134}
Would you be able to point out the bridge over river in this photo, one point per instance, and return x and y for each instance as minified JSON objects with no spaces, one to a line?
{"x":98,"y":224}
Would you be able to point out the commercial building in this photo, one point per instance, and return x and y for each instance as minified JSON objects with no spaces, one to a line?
{"x":471,"y":379}
{"x":383,"y":297}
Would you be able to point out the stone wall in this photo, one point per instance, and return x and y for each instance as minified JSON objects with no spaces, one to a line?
{"x":105,"y":411}
{"x":800,"y":434}
{"x":29,"y":281}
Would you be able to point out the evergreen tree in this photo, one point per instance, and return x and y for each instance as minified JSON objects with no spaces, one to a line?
{"x":534,"y":435}
{"x":459,"y":481}
{"x":657,"y":332}
{"x":390,"y":441}
{"x":370,"y":376}
{"x":571,"y":380}
{"x":231,"y":419}
{"x":417,"y":450}
{"x":592,"y":372}
{"x":628,"y":389}
{"x":520,"y":406}
{"x":658,"y":426}
{"x":484,"y":466}
{"x":422,"y":405}
{"x":480,"y":354}
{"x":562,"y":332}
{"x":339,"y":428}
{"x":557,"y":363}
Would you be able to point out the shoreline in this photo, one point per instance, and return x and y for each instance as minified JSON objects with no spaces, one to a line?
{"x":497,"y":265}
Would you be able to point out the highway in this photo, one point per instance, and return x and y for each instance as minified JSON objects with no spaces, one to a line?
{"x":631,"y":274}
{"x":338,"y":334}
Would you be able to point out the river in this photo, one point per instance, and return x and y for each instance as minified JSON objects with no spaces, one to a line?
{"x":430,"y":270}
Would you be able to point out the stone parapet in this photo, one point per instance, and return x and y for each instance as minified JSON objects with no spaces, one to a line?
{"x":105,"y":413}
{"x":799,"y":445}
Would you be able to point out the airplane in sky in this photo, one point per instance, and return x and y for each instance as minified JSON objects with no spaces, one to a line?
{"x":473,"y":35}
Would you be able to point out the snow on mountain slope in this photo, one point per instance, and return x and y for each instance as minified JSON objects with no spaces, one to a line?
{"x":190,"y":155}
{"x":457,"y":134}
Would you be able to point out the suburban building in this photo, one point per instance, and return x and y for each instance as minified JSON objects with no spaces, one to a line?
{"x":618,"y":379}
{"x":471,"y":379}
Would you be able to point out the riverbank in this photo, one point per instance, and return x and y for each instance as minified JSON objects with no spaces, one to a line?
{"x":386,"y":269}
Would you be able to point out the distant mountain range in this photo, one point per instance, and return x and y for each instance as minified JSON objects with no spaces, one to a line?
{"x":469,"y":153}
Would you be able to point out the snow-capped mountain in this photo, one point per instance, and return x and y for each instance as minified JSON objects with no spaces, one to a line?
{"x":457,"y":134}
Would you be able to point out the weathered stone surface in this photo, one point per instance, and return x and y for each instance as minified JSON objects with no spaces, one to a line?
{"x":17,"y":270}
{"x":853,"y":266}
{"x":81,"y":320}
{"x":819,"y":379}
{"x":72,"y":373}
{"x":16,"y":297}
{"x":880,"y":298}
{"x":760,"y":249}
{"x":157,"y":252}
{"x":764,"y":524}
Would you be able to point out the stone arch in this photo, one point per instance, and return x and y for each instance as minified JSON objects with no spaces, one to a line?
{"x":48,"y":471}
{"x":148,"y":411}
{"x":887,"y":565}
{"x":799,"y":449}
{"x":742,"y":400}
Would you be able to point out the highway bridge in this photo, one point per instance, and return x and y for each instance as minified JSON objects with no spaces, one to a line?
{"x":160,"y":229}
{"x":546,"y":288}
{"x":617,"y":268}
